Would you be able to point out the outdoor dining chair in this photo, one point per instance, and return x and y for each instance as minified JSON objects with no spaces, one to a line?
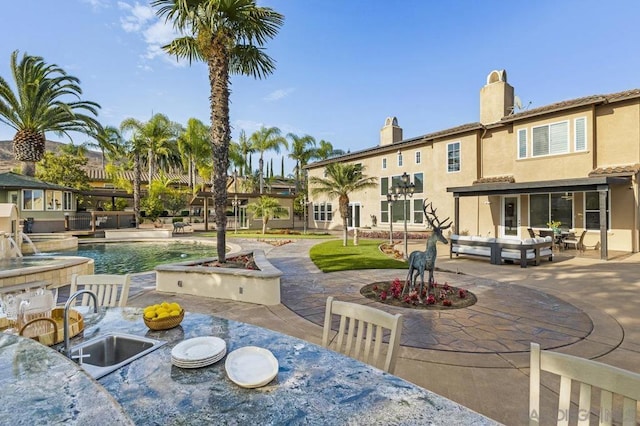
{"x":577,"y":243}
{"x":110,"y":290}
{"x":531,"y":233}
{"x":361,"y":331}
{"x":593,"y":378}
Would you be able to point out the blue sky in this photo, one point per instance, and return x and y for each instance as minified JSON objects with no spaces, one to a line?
{"x":342,"y":66}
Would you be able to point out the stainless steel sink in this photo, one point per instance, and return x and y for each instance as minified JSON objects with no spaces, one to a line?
{"x":106,"y":353}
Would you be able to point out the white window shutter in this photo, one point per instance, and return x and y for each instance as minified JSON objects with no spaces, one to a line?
{"x":581,"y":134}
{"x":522,"y":143}
{"x":540,"y":136}
{"x":559,"y":138}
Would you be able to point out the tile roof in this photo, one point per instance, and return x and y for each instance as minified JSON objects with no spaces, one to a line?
{"x":12,"y":180}
{"x":573,"y":103}
{"x":99,"y":174}
{"x":495,"y":179}
{"x":626,"y":170}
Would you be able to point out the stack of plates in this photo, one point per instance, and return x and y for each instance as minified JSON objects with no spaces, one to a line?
{"x":198,"y":352}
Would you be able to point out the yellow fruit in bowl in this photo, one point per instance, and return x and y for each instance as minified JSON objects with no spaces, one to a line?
{"x":161,"y":315}
{"x":174,"y":313}
{"x":150,"y":314}
{"x":175,"y":307}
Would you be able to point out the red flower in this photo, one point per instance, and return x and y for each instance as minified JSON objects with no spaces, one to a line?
{"x":407,"y":299}
{"x":462,"y":293}
{"x":383,"y":295}
{"x":446,"y":302}
{"x":446,"y":287}
{"x":431,"y":300}
{"x":375,"y":288}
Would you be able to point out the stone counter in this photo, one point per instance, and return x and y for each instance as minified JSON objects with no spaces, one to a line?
{"x":313,"y":385}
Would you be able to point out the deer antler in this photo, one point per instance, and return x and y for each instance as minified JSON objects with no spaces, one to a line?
{"x":432,"y":218}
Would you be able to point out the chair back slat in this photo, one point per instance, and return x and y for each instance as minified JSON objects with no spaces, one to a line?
{"x":110,"y":290}
{"x":608,"y":379}
{"x":363,"y":338}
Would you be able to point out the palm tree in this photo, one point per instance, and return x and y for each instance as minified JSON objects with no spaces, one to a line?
{"x":236,"y":159}
{"x":302,"y":150}
{"x":266,"y":208}
{"x":194,"y":145}
{"x":107,"y":140}
{"x":228,"y":35}
{"x":246,"y":149}
{"x":266,"y":139}
{"x":341,"y":179}
{"x":37,"y":106}
{"x":158,"y":136}
{"x":325,"y":150}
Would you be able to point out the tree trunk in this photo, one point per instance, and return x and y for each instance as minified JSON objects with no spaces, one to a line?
{"x":264,"y":225}
{"x":343,"y":205}
{"x":261,"y":165}
{"x":29,"y":168}
{"x":218,"y":64}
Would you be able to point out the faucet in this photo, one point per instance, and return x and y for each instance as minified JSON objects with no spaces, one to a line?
{"x":66,"y":349}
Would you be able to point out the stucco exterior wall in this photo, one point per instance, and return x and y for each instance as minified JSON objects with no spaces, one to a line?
{"x":618,"y":133}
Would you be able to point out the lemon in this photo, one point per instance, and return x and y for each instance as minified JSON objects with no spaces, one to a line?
{"x":149,"y":309}
{"x":175,"y":307}
{"x":164,"y":305}
{"x":174,"y":313}
{"x":162,"y":315}
{"x":150,"y":314}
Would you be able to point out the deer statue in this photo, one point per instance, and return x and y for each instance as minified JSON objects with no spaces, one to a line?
{"x":421,"y":260}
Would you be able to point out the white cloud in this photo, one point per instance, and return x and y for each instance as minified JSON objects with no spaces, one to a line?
{"x":137,"y":18}
{"x":279,"y":94}
{"x":97,"y":4}
{"x":247,"y":125}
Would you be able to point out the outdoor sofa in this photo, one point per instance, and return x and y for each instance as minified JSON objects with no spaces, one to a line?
{"x":498,"y":250}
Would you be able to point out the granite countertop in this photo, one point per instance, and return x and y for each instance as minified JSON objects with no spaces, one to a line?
{"x":313,"y":385}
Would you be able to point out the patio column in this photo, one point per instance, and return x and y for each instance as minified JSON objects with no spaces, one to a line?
{"x":456,"y":212}
{"x":603,"y":192}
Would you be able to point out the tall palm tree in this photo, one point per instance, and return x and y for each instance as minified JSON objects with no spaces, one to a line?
{"x":38,"y":106}
{"x":341,"y":179}
{"x":158,"y":136}
{"x":236,"y":159}
{"x":194,"y":146}
{"x":133,"y":149}
{"x":228,"y":35}
{"x":266,"y":139}
{"x":246,"y":149}
{"x":302,"y":150}
{"x":326,"y":150}
{"x":107,"y":140}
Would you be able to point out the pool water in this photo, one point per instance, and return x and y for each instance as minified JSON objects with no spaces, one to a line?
{"x":123,"y":258}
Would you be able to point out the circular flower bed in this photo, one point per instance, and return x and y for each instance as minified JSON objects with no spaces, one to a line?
{"x":444,"y":296}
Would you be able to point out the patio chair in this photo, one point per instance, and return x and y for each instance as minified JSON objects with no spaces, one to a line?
{"x":577,"y":243}
{"x":531,"y":233}
{"x":110,"y":290}
{"x":363,"y":328}
{"x":608,"y":379}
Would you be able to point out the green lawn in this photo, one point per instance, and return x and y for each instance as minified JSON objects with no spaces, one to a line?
{"x":332,"y":256}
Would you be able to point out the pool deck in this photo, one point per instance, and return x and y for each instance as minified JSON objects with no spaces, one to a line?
{"x":471,"y":357}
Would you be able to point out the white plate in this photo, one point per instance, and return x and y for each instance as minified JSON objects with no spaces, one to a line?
{"x":198,"y":364}
{"x":251,"y":366}
{"x":198,"y":348}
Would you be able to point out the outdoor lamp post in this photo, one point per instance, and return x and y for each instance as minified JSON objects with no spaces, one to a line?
{"x":390,"y":198}
{"x":405,"y":189}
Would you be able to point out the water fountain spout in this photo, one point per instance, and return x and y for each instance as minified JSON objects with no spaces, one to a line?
{"x":26,"y":238}
{"x":16,"y":248}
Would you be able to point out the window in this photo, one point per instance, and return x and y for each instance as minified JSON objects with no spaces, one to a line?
{"x":399,"y":159}
{"x":544,"y":208}
{"x":54,"y":200}
{"x":67,"y":201}
{"x":453,"y":157}
{"x":418,"y":180}
{"x":580,"y":134}
{"x":522,"y":143}
{"x":12,"y":196}
{"x":384,"y":185}
{"x":384,"y":163}
{"x":384,"y":211}
{"x":322,"y":212}
{"x":592,"y":210}
{"x":550,"y":139}
{"x":418,"y":214}
{"x":32,"y":199}
{"x":418,"y":157}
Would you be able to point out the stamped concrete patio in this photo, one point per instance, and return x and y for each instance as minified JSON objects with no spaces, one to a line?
{"x":476,"y":356}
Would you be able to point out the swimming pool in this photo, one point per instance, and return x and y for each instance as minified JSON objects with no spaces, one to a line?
{"x":123,"y":258}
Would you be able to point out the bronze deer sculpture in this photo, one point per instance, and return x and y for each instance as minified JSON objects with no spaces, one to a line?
{"x":421,"y":260}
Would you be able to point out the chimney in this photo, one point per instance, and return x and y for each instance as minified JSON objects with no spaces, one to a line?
{"x":390,"y":133}
{"x":496,"y":98}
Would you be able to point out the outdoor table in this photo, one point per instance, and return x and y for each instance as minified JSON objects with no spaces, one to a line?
{"x":314,"y":385}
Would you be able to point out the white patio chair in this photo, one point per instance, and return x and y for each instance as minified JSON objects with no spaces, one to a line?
{"x":110,"y":290}
{"x":577,"y":243}
{"x":363,"y":327}
{"x":610,"y":380}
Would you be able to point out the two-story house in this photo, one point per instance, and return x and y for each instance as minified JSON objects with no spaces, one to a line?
{"x":574,"y":162}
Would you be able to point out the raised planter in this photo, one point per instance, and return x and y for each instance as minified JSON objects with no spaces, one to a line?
{"x":244,"y":285}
